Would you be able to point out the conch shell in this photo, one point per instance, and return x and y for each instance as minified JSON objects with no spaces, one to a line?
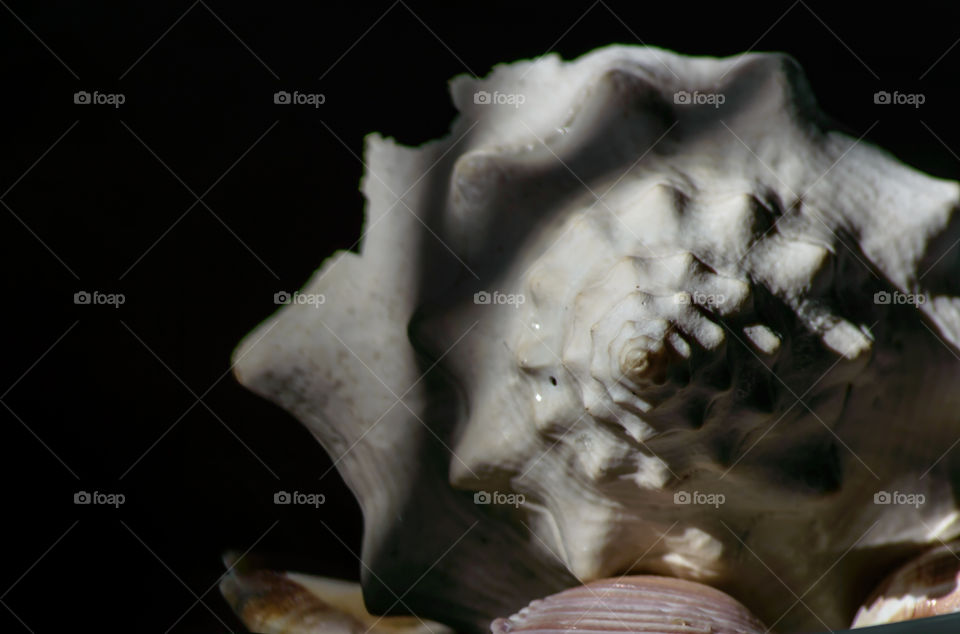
{"x":657,"y":316}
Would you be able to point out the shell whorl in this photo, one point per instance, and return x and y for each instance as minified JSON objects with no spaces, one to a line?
{"x":689,"y":308}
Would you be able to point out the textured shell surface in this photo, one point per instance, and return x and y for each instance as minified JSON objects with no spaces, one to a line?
{"x":634,"y":604}
{"x":665,"y":310}
{"x":928,"y":585}
{"x":270,"y":602}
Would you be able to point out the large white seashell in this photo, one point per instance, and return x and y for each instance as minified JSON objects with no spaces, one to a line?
{"x":619,"y":303}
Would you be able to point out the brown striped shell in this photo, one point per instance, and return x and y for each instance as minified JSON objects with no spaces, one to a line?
{"x":926,"y":586}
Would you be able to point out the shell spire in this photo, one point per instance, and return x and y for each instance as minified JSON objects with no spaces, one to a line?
{"x":633,"y":314}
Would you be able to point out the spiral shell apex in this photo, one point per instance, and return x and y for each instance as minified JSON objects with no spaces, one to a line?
{"x":656,"y":326}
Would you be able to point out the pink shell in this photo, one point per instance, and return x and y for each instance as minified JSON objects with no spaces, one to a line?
{"x":635,"y":604}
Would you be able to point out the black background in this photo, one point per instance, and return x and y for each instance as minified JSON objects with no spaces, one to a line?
{"x":90,"y":191}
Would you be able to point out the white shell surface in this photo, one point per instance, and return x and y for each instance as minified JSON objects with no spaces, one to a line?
{"x":675,"y":327}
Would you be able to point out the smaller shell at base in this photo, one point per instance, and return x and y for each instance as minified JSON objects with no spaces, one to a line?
{"x":635,"y":604}
{"x":926,"y":586}
{"x":271,"y":602}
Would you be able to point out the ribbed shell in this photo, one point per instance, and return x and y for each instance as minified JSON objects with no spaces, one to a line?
{"x":926,"y":586}
{"x":634,"y":604}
